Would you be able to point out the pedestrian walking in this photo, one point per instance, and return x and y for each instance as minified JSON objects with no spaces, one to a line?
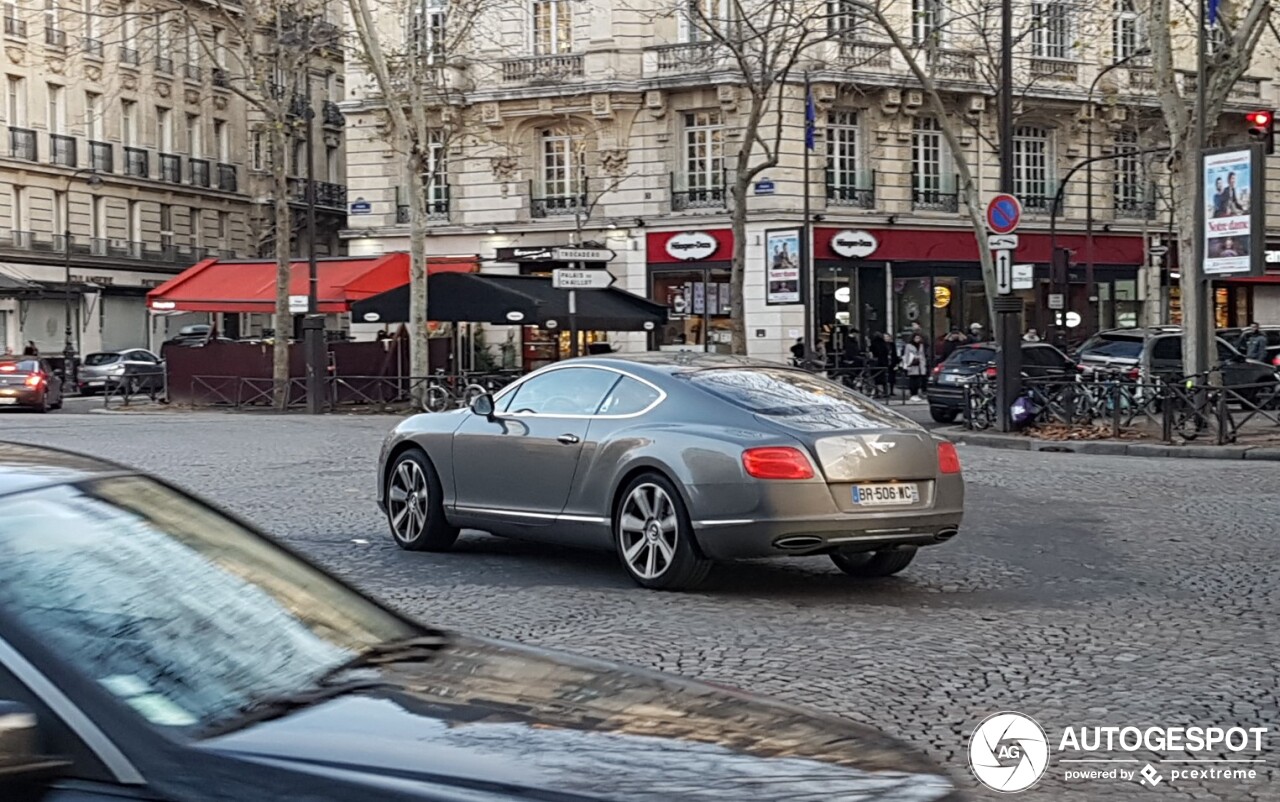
{"x":31,"y":349}
{"x":1032,"y":336}
{"x":1253,"y":343}
{"x":882,"y":355}
{"x":915,"y":360}
{"x":976,"y":333}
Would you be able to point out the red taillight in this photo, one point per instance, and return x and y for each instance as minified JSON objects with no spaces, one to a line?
{"x":34,"y":380}
{"x":1275,"y":360}
{"x":777,"y":462}
{"x":1132,"y":374}
{"x":8,"y":368}
{"x":948,"y":459}
{"x":937,"y":369}
{"x":991,"y":373}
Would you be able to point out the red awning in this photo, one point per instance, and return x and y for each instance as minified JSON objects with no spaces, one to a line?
{"x":250,"y":286}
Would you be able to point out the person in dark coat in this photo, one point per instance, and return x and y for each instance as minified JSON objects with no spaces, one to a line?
{"x":883,"y":356}
{"x":31,"y":349}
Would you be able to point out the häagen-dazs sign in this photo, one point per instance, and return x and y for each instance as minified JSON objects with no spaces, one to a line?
{"x":691,"y":245}
{"x":854,"y":244}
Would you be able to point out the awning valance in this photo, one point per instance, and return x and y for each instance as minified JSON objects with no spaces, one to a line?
{"x":216,"y":285}
{"x":513,"y":300}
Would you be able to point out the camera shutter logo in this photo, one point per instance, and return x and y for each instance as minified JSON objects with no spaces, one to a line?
{"x":1008,"y":752}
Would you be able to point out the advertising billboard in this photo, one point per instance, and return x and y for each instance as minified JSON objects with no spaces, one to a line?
{"x":1235,"y":211}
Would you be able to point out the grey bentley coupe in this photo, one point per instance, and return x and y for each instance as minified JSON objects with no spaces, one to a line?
{"x":676,"y":461}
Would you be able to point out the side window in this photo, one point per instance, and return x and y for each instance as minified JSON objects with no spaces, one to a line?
{"x":45,"y":367}
{"x":628,"y":397}
{"x":567,"y":391}
{"x":1167,"y":349}
{"x":1036,"y":357}
{"x":57,"y":738}
{"x":1225,"y":351}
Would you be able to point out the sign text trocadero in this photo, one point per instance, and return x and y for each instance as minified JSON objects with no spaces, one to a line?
{"x":691,"y":245}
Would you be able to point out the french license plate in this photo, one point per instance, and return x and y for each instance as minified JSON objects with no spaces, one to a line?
{"x":8,"y":401}
{"x":885,"y":495}
{"x":948,"y":378}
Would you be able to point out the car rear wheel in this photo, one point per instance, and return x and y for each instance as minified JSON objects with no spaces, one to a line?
{"x":942,"y":415}
{"x":415,"y":505}
{"x":875,"y":563}
{"x":654,"y":536}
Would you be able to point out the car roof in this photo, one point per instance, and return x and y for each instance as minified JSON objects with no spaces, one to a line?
{"x":671,"y":362}
{"x":25,"y":467}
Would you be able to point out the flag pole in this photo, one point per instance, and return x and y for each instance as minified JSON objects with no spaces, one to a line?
{"x":813,"y":333}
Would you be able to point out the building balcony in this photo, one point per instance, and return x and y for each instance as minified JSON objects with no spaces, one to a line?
{"x":860,"y":194}
{"x":55,"y":37}
{"x":1053,"y":69}
{"x":200,"y":173}
{"x":1247,"y":89}
{"x":541,"y":70}
{"x":192,"y":72}
{"x":682,"y":58}
{"x":1133,"y":206}
{"x":137,"y":163}
{"x":102,"y":157}
{"x":130,"y":56}
{"x":29,"y":242}
{"x":1039,"y":199}
{"x":328,"y":195}
{"x":170,"y":168}
{"x":91,"y":47}
{"x":550,"y":204}
{"x":22,"y":143}
{"x":872,"y":55}
{"x":221,"y":80}
{"x":953,"y":64}
{"x":15,"y":27}
{"x":62,"y":150}
{"x":935,"y":196}
{"x":227,"y":178}
{"x":437,"y":206}
{"x":164,"y":64}
{"x":332,"y":115}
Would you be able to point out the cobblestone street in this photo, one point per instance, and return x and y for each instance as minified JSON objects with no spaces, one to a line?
{"x":1082,"y":590}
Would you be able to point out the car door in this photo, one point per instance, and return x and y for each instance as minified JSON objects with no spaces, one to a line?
{"x":519,"y":465}
{"x":1039,"y":362}
{"x":1166,"y":356}
{"x":54,"y":391}
{"x":1236,"y":370}
{"x":145,"y":366}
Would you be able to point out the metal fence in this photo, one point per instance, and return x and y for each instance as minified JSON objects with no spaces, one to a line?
{"x":439,"y":393}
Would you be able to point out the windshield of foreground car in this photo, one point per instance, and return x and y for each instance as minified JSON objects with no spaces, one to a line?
{"x":182,"y":614}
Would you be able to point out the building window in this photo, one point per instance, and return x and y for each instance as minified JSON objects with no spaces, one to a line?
{"x":426,"y":29}
{"x":563,"y":167}
{"x":844,"y":20}
{"x":1032,"y":165}
{"x":1052,"y":29}
{"x":703,"y":158}
{"x":128,"y":122}
{"x":20,"y":219}
{"x":61,"y":220}
{"x":552,"y":27}
{"x":260,"y":155}
{"x":129,"y":24}
{"x":844,"y":157}
{"x":195,"y":146}
{"x":221,"y":141}
{"x":17,"y":101}
{"x":222,"y":226}
{"x":52,"y":19}
{"x":98,"y":219}
{"x":1128,"y":32}
{"x":135,"y":221}
{"x":1130,"y":189}
{"x":927,"y":19}
{"x":93,"y":116}
{"x":701,"y":19}
{"x":90,"y":13}
{"x":930,"y":168}
{"x":332,"y":165}
{"x":57,"y":108}
{"x":299,"y":165}
{"x":164,"y":130}
{"x":219,"y":47}
{"x":166,"y":226}
{"x":197,"y":227}
{"x":437,"y":183}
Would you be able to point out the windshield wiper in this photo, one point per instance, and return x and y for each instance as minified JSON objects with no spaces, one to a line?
{"x":418,"y":649}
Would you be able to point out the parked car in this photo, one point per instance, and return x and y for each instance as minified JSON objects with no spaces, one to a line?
{"x":1272,"y":334}
{"x":945,"y":386}
{"x":1156,"y":353}
{"x":195,"y":335}
{"x":152,"y":647}
{"x":675,"y":460}
{"x":29,"y":382}
{"x":135,"y":368}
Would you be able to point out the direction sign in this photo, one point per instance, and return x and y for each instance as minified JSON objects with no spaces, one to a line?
{"x":582,"y":255}
{"x":565,"y":279}
{"x":1003,"y":242}
{"x":1004,"y":272}
{"x":1004,"y":212}
{"x":1024,"y":277}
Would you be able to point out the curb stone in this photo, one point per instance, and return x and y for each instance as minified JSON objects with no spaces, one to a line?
{"x":1114,"y":448}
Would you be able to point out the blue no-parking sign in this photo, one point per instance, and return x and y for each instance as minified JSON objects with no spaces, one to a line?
{"x":1004,"y":212}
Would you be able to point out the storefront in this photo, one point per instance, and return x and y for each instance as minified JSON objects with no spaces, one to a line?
{"x":886,"y":280}
{"x":1241,"y":301}
{"x":689,"y":273}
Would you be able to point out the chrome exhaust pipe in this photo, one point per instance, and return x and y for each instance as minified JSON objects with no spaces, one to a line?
{"x":798,"y":542}
{"x":946,"y":534}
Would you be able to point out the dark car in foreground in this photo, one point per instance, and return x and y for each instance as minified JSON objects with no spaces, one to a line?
{"x":675,"y":461}
{"x":945,"y":385}
{"x":28,"y":382}
{"x":153,"y":648}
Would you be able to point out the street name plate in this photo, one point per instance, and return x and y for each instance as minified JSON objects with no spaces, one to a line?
{"x":565,"y":279}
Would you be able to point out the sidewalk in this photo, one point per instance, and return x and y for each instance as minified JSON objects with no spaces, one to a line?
{"x":1126,"y":448}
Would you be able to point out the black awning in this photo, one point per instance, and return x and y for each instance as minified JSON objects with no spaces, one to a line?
{"x":513,"y":300}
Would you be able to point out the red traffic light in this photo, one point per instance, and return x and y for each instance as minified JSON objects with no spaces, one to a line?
{"x":1259,"y":119}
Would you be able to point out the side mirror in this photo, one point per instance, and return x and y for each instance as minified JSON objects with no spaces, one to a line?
{"x":483,"y":405}
{"x":20,"y":756}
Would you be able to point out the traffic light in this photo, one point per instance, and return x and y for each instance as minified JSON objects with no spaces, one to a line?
{"x":1262,"y":128}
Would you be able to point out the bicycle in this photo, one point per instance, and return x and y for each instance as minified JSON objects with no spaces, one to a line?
{"x":980,"y":404}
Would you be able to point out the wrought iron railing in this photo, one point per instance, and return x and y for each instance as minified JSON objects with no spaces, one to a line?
{"x":199,"y":172}
{"x":54,"y":37}
{"x":859,"y":197}
{"x":137,"y":162}
{"x":62,"y":150}
{"x":91,"y":46}
{"x":130,"y":56}
{"x":227,"y":178}
{"x":22,"y":143}
{"x":171,"y":168}
{"x":101,"y":157}
{"x":935,"y":198}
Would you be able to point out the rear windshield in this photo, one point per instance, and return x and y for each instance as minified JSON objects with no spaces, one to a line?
{"x":1111,"y":346}
{"x":24,"y":365}
{"x":795,"y":397}
{"x":101,"y":359}
{"x":970,"y":356}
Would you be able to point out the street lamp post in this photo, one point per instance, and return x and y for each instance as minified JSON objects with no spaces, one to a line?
{"x":68,"y":346}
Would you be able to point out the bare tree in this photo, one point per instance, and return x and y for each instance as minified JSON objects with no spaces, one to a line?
{"x":265,"y":54}
{"x":763,"y":44}
{"x":1173,"y":28}
{"x":413,"y":52}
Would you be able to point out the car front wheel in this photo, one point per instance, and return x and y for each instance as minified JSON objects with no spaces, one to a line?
{"x":942,"y":415}
{"x":885,"y":562}
{"x":415,"y":505}
{"x":654,"y":536}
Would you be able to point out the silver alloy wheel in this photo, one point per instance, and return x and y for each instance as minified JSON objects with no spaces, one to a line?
{"x":407,"y":497}
{"x":649,"y":531}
